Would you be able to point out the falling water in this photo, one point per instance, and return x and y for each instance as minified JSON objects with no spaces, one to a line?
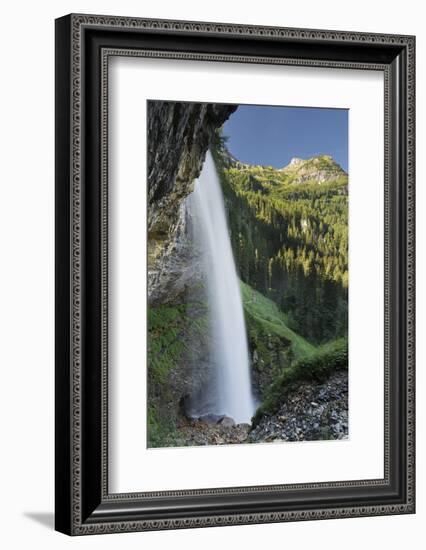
{"x":232,"y":395}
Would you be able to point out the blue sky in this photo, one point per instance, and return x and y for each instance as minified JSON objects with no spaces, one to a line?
{"x":272,"y":136}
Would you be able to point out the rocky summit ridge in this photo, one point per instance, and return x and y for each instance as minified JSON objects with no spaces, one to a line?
{"x":321,"y":168}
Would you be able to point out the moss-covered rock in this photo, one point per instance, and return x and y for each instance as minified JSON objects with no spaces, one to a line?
{"x":177,"y":341}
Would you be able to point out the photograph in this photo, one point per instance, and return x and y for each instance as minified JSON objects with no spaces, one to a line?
{"x":235,"y":285}
{"x":248,"y":276}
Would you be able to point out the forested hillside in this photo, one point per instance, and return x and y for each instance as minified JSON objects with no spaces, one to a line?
{"x":290,"y":239}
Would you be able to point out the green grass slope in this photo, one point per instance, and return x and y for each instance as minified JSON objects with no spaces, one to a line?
{"x":264,"y":315}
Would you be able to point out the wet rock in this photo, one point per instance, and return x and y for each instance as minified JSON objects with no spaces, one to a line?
{"x":211,"y":418}
{"x":196,"y":432}
{"x":226,"y":422}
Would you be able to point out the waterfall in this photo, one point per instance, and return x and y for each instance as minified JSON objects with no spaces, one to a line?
{"x":230,"y":391}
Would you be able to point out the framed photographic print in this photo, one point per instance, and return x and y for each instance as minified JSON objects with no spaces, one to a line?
{"x":234,"y":274}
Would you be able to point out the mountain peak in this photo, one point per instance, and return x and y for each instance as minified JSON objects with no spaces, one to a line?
{"x":321,"y":168}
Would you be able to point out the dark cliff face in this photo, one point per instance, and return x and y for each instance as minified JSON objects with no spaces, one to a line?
{"x":179,"y":134}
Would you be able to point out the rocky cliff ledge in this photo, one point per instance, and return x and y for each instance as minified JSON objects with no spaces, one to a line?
{"x":179,"y":135}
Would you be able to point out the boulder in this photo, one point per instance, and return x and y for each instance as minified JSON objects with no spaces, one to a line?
{"x":226,"y":422}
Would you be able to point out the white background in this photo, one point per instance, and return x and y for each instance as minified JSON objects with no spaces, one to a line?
{"x":361,"y":457}
{"x":26,"y":301}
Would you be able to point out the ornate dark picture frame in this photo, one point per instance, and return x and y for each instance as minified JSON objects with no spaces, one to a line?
{"x":83,"y":45}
